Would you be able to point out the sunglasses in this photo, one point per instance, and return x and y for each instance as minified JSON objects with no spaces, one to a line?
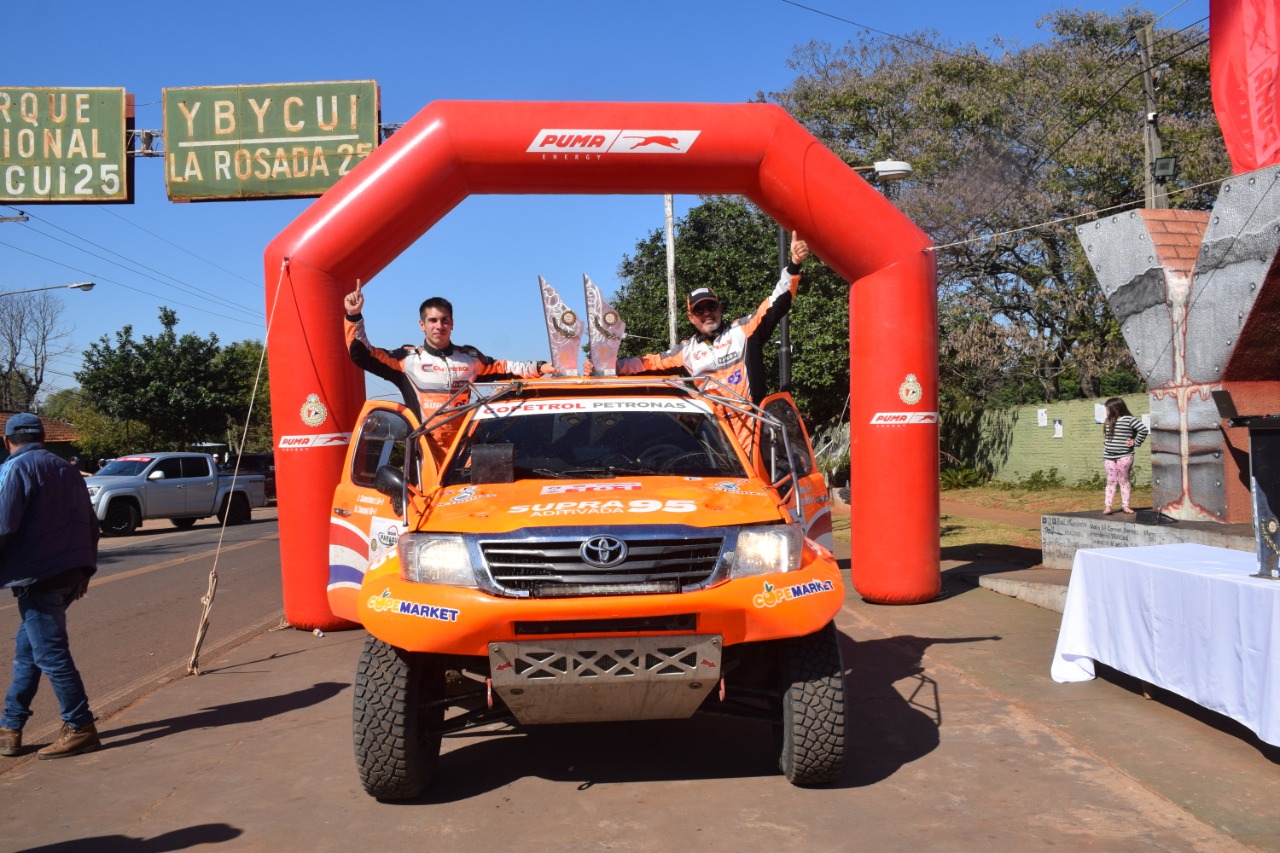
{"x":705,"y":307}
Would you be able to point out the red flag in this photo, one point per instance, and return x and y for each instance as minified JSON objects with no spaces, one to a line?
{"x":1244,"y":67}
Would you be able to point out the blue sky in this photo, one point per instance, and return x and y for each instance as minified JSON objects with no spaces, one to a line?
{"x":205,"y":260}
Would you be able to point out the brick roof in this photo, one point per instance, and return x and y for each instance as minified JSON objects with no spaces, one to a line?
{"x":54,"y":430}
{"x":1176,"y":235}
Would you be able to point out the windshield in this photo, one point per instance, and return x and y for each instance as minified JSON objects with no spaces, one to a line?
{"x":123,"y":468}
{"x":602,"y":444}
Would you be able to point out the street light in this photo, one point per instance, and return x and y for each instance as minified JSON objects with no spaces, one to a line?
{"x":79,"y":285}
{"x":887,"y":170}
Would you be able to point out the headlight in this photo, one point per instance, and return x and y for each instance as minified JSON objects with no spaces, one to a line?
{"x":765,"y":550}
{"x":438,"y":559}
{"x":93,"y":491}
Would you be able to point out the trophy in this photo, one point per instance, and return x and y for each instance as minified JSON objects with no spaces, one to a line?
{"x":564,"y":331}
{"x":606,"y":330}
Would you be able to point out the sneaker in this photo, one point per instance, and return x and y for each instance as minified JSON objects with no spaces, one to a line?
{"x":10,"y":741}
{"x":72,"y":741}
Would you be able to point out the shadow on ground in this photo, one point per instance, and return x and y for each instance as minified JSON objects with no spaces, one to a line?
{"x":178,"y":839}
{"x":234,"y":713}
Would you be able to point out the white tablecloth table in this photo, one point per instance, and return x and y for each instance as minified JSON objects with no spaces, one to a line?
{"x":1185,"y":617}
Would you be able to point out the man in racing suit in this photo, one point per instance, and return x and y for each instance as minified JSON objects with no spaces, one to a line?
{"x":427,"y":376}
{"x":732,"y":353}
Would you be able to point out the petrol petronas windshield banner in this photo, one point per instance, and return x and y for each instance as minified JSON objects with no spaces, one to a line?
{"x":279,"y":140}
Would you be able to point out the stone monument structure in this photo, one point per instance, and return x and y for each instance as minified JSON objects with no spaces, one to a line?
{"x":1197,"y":297}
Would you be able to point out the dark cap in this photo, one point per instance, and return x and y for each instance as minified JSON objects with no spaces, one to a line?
{"x":24,"y":423}
{"x":702,"y":294}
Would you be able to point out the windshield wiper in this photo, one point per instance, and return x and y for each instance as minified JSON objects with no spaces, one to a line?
{"x":600,"y":473}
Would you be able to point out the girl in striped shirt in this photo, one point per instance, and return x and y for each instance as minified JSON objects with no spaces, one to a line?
{"x":1121,"y":434}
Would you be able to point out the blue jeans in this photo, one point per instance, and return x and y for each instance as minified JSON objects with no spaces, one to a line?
{"x":42,"y":645}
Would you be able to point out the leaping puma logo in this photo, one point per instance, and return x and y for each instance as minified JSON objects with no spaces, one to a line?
{"x":667,"y":141}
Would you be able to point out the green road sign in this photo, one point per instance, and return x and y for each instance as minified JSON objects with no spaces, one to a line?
{"x":278,"y":140}
{"x":63,"y":144}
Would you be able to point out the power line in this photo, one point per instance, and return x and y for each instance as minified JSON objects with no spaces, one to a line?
{"x":173,"y":282}
{"x":176,"y":246}
{"x":1126,"y":205}
{"x":105,"y":280}
{"x":176,"y":283}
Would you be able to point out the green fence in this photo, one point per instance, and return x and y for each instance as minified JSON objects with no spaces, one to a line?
{"x":1013,"y":444}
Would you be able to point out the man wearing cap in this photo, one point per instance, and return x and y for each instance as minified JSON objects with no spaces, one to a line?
{"x":48,"y":550}
{"x":732,"y":353}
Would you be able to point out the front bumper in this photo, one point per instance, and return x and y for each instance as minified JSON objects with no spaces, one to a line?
{"x":464,"y":621}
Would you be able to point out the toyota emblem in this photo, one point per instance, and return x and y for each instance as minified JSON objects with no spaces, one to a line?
{"x":603,"y":552}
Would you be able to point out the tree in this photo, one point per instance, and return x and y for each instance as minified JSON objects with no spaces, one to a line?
{"x":239,"y":363}
{"x":31,"y":335}
{"x":1008,"y":153}
{"x":175,"y":387}
{"x":731,"y":245}
{"x":97,"y":435}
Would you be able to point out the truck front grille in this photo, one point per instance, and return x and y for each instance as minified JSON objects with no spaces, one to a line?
{"x":556,"y":568}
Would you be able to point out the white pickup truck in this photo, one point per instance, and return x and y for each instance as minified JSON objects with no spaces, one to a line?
{"x":182,"y":487}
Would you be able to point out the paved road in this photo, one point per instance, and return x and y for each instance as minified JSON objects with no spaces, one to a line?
{"x":958,"y":738}
{"x":136,"y":628}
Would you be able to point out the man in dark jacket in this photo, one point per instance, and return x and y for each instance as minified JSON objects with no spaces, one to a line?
{"x":48,"y":550}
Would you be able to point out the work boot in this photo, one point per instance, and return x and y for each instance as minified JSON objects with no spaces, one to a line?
{"x":10,"y":741}
{"x":72,"y":741}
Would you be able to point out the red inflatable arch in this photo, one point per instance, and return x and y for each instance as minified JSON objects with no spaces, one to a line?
{"x":454,"y":149}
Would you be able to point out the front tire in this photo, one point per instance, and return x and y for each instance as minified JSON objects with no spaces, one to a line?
{"x":813,"y":719}
{"x":121,"y":519}
{"x":397,"y":738}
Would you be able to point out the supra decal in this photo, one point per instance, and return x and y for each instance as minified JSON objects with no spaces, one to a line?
{"x":303,"y":442}
{"x":566,"y":143}
{"x":386,"y":604}
{"x":773,"y":596}
{"x":603,"y":507}
{"x":590,"y":487}
{"x":898,"y":418}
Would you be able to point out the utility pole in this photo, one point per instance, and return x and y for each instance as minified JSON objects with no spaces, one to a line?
{"x":784,"y":326}
{"x":671,"y":269}
{"x":1157,"y":196}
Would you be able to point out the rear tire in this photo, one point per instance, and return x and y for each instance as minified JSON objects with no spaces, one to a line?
{"x":121,"y":519}
{"x":397,"y":738}
{"x":813,"y":719}
{"x":239,"y":513}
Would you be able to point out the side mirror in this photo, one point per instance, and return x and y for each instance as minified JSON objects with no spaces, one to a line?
{"x":389,"y":480}
{"x":156,"y":475}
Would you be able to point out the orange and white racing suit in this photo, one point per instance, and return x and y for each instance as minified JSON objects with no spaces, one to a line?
{"x":427,"y":377}
{"x":733,"y":354}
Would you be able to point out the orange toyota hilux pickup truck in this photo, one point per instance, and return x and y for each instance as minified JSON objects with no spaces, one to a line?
{"x":575,"y":550}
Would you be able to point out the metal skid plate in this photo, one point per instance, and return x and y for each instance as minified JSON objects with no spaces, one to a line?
{"x":606,"y":678}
